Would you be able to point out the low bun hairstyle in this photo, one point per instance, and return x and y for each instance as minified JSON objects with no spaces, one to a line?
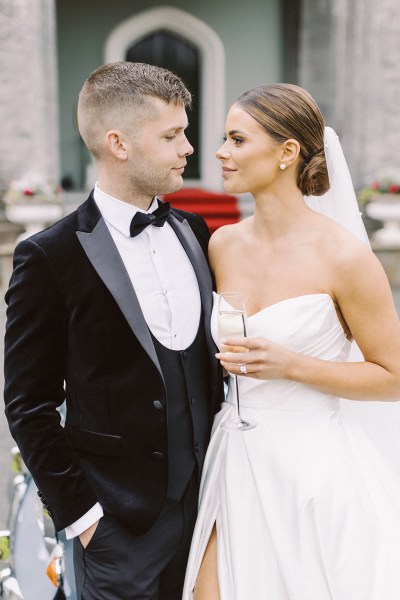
{"x":287,"y":111}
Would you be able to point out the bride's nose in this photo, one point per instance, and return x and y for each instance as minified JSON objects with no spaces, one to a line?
{"x":222,"y":152}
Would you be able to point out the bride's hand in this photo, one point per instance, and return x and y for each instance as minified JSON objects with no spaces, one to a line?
{"x":261,"y":359}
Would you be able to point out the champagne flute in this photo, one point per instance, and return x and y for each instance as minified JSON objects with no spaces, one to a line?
{"x":231,"y":323}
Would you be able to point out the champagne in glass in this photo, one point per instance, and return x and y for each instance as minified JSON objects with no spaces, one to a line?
{"x":232,"y":323}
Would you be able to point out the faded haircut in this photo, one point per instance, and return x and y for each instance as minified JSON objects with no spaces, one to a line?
{"x":112,"y":91}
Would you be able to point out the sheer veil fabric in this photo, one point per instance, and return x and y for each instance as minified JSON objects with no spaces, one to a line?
{"x":339,"y":202}
{"x":380,"y":420}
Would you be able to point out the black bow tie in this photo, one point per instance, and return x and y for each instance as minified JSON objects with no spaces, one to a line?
{"x":157,"y":218}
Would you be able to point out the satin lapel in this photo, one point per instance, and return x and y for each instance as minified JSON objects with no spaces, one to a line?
{"x":105,"y":258}
{"x":200,"y":266}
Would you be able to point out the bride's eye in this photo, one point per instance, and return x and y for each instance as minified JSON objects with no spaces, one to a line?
{"x":238,"y":140}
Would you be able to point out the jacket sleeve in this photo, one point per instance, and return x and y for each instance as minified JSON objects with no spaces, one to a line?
{"x":35,"y":343}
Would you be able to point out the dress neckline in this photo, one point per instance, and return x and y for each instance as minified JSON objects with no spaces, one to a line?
{"x":286,"y":300}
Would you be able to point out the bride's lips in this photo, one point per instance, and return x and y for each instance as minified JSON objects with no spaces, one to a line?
{"x":226,"y":171}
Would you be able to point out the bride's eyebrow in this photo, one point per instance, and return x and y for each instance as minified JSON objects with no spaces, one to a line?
{"x":236,"y":131}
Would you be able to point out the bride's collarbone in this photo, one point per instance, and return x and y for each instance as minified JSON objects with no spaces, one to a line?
{"x":263,"y":282}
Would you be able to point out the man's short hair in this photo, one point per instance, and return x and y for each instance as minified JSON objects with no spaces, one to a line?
{"x":111,"y":92}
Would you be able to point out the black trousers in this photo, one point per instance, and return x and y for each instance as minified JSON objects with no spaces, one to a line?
{"x":118,"y":566}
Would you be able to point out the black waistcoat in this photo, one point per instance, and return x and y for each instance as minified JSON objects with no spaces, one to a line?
{"x":187,"y":380}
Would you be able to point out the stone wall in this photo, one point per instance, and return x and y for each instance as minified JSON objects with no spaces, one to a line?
{"x":350,"y":53}
{"x":372,"y":87}
{"x":317,"y":54}
{"x":28,"y":91}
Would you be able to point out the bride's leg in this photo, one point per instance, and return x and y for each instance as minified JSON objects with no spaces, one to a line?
{"x":207,"y":587}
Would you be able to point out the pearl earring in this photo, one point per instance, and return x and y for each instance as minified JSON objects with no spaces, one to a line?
{"x":282,"y":166}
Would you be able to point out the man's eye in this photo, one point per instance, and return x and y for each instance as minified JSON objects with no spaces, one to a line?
{"x":170,"y":137}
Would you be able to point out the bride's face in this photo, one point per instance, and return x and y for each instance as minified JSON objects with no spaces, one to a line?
{"x":249,"y":156}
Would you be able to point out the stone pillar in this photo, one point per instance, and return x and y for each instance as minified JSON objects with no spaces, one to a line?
{"x":371,"y":87}
{"x":317,"y":53}
{"x":28,"y":91}
{"x":349,"y":60}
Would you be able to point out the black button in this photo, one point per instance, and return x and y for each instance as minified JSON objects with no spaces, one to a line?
{"x":193,"y":401}
{"x":158,"y":455}
{"x":197,"y":447}
{"x":184,"y":354}
{"x":157,"y":404}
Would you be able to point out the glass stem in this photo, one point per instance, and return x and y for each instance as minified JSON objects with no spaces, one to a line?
{"x":238,"y":417}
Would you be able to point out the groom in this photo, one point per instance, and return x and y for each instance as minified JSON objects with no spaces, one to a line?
{"x":110,"y":309}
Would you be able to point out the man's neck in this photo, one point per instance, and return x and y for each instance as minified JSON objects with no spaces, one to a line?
{"x":142,"y":201}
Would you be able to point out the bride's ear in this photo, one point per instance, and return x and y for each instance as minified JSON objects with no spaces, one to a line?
{"x":289,"y":152}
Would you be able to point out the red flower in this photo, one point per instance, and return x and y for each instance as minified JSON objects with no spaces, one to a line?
{"x":28,"y":192}
{"x":375,"y":185}
{"x":393,"y":188}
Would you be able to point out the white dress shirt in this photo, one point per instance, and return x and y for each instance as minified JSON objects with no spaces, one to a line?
{"x":165,"y":284}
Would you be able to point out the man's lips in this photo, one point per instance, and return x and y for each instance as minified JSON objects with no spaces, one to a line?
{"x":180,"y":168}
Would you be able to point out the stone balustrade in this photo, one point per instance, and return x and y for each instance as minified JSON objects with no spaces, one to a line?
{"x":390,"y":260}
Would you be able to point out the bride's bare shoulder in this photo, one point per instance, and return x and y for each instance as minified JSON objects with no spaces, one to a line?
{"x":339,"y":243}
{"x":227,"y":234}
{"x":224,"y":240}
{"x":347,"y":257}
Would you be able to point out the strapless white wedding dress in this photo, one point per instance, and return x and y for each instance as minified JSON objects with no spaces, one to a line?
{"x":305,"y":506}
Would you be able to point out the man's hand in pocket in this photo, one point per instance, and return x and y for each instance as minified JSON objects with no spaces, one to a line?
{"x":87,"y":535}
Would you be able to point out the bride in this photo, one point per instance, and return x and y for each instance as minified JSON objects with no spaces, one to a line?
{"x":302,"y":506}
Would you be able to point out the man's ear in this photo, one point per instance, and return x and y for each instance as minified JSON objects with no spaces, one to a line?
{"x":116,"y":143}
{"x":289,"y":152}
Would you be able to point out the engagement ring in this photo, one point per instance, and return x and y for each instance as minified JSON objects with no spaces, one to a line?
{"x":243,"y":368}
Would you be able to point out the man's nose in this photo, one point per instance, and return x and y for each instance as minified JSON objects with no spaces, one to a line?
{"x":187,"y":148}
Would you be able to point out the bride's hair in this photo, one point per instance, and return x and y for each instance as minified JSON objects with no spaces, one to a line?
{"x":287,"y":111}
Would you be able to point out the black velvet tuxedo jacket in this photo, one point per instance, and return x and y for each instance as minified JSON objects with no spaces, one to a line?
{"x":75,"y":330}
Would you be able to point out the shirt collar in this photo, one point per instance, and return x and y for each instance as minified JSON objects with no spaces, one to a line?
{"x":117,"y":213}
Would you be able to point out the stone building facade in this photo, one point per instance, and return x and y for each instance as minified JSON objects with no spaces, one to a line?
{"x":350,"y":53}
{"x":347,"y":57}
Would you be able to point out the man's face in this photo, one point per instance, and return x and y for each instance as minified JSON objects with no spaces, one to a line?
{"x":158,"y":150}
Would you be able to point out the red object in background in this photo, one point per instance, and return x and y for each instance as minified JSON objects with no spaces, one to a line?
{"x":217,"y":209}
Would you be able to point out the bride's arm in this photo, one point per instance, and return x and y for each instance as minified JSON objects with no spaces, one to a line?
{"x":363,"y":295}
